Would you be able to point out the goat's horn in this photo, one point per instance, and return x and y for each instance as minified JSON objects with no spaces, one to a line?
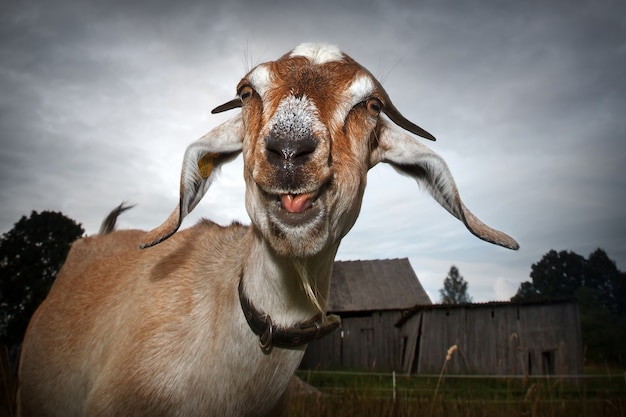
{"x":233,"y":104}
{"x":394,"y":114}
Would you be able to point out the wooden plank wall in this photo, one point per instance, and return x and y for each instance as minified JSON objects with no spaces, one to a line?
{"x":364,"y":342}
{"x":503,"y":339}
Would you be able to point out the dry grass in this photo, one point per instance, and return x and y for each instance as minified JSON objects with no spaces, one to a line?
{"x":361,"y":405}
{"x":373,"y":394}
{"x":470,"y":398}
{"x":354,"y":394}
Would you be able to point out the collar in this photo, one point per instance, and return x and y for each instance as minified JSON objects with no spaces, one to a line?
{"x":293,"y":337}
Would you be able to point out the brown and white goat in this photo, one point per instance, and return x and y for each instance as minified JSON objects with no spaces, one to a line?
{"x":174,"y":329}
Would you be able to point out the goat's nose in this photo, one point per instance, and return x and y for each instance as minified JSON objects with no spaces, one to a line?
{"x":286,"y":151}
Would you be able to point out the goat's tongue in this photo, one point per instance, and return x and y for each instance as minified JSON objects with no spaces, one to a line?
{"x":296,"y":203}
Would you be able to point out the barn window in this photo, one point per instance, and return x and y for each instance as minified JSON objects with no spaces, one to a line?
{"x":493,"y":314}
{"x":547,"y":362}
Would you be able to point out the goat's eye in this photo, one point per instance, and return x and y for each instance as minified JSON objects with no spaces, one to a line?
{"x":374,"y":106}
{"x":245,"y":93}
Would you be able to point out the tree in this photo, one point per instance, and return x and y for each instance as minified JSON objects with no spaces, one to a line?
{"x":31,"y":255}
{"x":557,"y":274}
{"x":454,"y":289}
{"x":603,"y":276}
{"x":562,"y":274}
{"x":619,"y":293}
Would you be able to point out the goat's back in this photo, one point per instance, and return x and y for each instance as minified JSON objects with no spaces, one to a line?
{"x":121,"y":326}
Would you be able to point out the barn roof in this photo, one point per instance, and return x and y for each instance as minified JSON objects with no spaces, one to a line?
{"x":388,"y":284}
{"x":489,"y":304}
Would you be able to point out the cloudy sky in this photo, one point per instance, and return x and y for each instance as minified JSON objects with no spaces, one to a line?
{"x":98,"y":101}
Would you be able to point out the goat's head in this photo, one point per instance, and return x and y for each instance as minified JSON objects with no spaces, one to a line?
{"x":310,"y":128}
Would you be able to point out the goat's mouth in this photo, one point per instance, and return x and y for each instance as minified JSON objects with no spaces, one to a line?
{"x":296,"y":209}
{"x":295,"y":220}
{"x":297,"y":203}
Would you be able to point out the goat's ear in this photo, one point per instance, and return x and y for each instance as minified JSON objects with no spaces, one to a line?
{"x":200,"y":164}
{"x":410,"y":157}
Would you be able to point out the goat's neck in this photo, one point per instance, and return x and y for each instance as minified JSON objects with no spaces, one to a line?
{"x":273,"y":284}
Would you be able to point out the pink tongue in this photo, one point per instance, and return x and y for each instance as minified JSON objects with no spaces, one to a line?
{"x":296,"y":203}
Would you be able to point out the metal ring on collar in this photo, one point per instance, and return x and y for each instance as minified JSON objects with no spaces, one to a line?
{"x":265,"y":339}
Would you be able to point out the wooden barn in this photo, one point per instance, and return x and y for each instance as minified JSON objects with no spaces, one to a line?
{"x":390,"y":324}
{"x":539,"y":338}
{"x":370,"y":297}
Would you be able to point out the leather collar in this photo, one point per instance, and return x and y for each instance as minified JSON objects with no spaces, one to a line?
{"x":293,"y":337}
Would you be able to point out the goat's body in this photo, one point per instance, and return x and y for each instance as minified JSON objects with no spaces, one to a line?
{"x":146,"y":338}
{"x":160,"y":331}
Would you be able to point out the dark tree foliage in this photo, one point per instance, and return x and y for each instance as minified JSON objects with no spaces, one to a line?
{"x":619,"y":293}
{"x":561,"y":274}
{"x":604,"y":333}
{"x":31,"y":255}
{"x":557,"y":274}
{"x":600,"y":288}
{"x":454,"y":289}
{"x":603,"y":276}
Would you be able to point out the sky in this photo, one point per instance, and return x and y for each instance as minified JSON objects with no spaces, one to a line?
{"x":98,"y":101}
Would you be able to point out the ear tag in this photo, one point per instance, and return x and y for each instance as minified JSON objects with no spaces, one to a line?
{"x":205,"y":165}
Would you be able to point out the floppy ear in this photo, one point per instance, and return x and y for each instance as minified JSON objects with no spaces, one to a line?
{"x":200,"y":164}
{"x":410,"y":157}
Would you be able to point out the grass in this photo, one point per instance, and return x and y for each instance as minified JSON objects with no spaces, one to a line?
{"x":370,"y":394}
{"x":352,"y":394}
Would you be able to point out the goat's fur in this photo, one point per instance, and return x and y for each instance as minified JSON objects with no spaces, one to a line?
{"x":159,"y":331}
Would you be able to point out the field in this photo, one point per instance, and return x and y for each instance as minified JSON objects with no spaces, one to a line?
{"x":598,"y":393}
{"x":373,"y":394}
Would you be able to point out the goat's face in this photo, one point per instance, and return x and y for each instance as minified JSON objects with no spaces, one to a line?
{"x":309,"y":129}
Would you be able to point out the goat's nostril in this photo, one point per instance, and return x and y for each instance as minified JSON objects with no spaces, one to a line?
{"x":293,"y":150}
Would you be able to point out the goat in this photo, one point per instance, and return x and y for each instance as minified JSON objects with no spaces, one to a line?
{"x":213,"y":320}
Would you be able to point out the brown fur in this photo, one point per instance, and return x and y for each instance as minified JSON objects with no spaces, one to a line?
{"x":146,"y":306}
